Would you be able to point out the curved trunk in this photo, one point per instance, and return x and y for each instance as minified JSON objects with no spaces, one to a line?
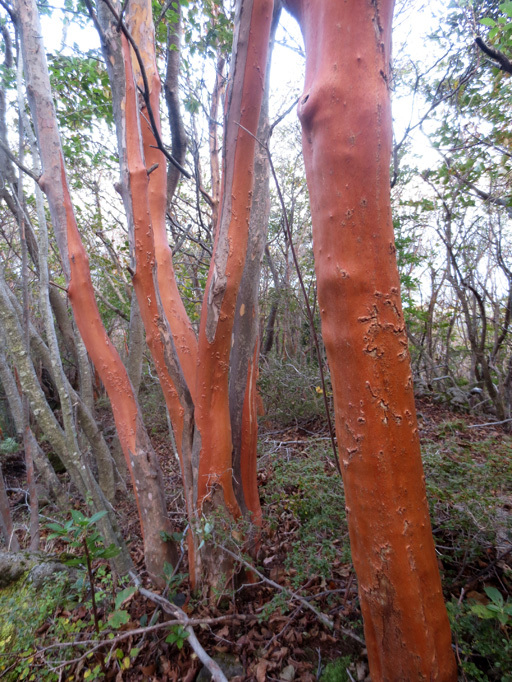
{"x":137,"y":448}
{"x":346,"y":122}
{"x":140,"y":24}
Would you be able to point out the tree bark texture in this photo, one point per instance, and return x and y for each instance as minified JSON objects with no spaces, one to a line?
{"x":139,"y":454}
{"x":172,"y":98}
{"x":44,"y":468}
{"x":6,"y":525}
{"x":194,"y":376}
{"x":346,"y":123}
{"x":244,"y":98}
{"x":245,"y":346}
{"x":78,"y":469}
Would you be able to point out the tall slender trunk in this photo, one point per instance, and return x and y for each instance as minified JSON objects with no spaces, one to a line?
{"x":244,"y":97}
{"x":178,"y":134}
{"x":43,"y":466}
{"x":346,"y":123}
{"x":245,"y":347}
{"x":137,"y":448}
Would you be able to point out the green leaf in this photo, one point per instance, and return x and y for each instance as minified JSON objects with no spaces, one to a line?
{"x":482,"y":611}
{"x":487,"y":21}
{"x":56,"y":527}
{"x":96,"y":517}
{"x":494,"y":595}
{"x":118,"y":618}
{"x":494,"y":608}
{"x":124,"y":595}
{"x":108,"y":552}
{"x":506,"y":8}
{"x":78,"y":517}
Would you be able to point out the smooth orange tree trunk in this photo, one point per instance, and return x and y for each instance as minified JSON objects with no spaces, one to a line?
{"x":139,"y":454}
{"x":193,"y":373}
{"x":346,"y":122}
{"x":244,"y":96}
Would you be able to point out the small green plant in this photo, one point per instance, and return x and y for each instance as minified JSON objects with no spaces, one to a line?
{"x":497,"y":608}
{"x":177,"y":635}
{"x":9,"y":446}
{"x":79,"y":533}
{"x":336,"y":671}
{"x":483,"y":639}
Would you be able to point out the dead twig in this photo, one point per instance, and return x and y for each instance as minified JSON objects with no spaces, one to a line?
{"x":293,"y":595}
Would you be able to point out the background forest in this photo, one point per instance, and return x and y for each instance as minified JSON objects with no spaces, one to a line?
{"x":280,"y":599}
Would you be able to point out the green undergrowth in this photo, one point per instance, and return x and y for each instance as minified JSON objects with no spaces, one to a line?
{"x":291,"y":391}
{"x":36,"y":622}
{"x":25,"y":612}
{"x":336,"y":671}
{"x":468,"y":482}
{"x":305,"y":496}
{"x":469,"y":488}
{"x":484,"y":641}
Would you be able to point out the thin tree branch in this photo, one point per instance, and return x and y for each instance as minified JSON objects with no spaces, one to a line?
{"x":325,"y":620}
{"x":145,"y":90}
{"x":26,"y":170}
{"x":481,"y":426}
{"x":306,"y":300}
{"x":176,"y":612}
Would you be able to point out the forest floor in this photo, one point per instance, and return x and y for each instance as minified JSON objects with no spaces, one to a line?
{"x":263,"y":632}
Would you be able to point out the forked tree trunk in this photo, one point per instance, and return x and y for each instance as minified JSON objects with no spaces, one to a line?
{"x":193,"y":376}
{"x":139,"y":454}
{"x":346,"y":122}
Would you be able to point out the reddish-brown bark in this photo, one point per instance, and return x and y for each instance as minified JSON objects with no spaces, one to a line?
{"x":346,"y":121}
{"x":142,"y":202}
{"x":244,"y":102}
{"x":194,"y":381}
{"x":137,"y":448}
{"x":139,"y":19}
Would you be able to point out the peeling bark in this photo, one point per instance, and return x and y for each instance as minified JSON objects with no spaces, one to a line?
{"x":140,"y":457}
{"x":346,"y":123}
{"x":245,"y":347}
{"x":244,"y":97}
